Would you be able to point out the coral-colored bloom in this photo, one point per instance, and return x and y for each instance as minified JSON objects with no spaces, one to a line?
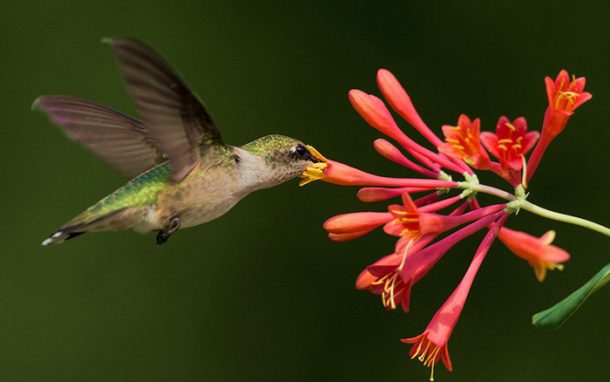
{"x":463,"y":142}
{"x":539,"y":252}
{"x":376,"y":194}
{"x":395,"y":274}
{"x":431,"y":346}
{"x":419,"y":223}
{"x":406,"y":219}
{"x":375,"y":112}
{"x":350,"y":226}
{"x":510,"y":142}
{"x":564,"y":97}
{"x":344,"y":175}
{"x":400,"y":101}
{"x":392,"y":153}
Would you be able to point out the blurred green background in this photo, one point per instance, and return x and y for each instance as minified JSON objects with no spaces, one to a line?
{"x":261,"y":294}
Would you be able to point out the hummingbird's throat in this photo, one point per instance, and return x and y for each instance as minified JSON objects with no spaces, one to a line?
{"x":316,"y":170}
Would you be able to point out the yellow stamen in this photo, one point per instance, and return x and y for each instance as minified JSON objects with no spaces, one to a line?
{"x":393,"y":287}
{"x":569,"y":97}
{"x":510,"y":126}
{"x":505,"y":140}
{"x":409,"y":220}
{"x":423,"y":354}
{"x":316,"y":170}
{"x":313,"y":173}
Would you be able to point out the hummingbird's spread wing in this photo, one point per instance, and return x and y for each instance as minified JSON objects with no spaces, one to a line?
{"x":117,"y":138}
{"x":174,"y":116}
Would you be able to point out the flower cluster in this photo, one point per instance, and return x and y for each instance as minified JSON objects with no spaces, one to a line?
{"x":429,"y":225}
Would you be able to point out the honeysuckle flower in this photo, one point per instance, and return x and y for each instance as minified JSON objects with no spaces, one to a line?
{"x":353,"y":225}
{"x":392,"y":153}
{"x":400,"y":101}
{"x":463,"y":142}
{"x":537,"y":251}
{"x":397,"y":273}
{"x":431,"y":346}
{"x":419,"y":224}
{"x":344,"y":175}
{"x":411,"y":221}
{"x":510,"y":143}
{"x":377,"y":194}
{"x":374,"y":111}
{"x":406,"y":219}
{"x":564,"y":96}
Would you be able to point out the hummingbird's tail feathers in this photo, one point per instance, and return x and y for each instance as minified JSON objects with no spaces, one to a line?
{"x":118,"y":220}
{"x":60,"y":236}
{"x":77,"y":227}
{"x":118,"y":139}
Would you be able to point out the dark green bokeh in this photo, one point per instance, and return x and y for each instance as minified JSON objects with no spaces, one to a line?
{"x":261,"y":294}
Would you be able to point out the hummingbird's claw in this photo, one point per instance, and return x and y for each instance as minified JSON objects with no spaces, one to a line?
{"x":172,"y":226}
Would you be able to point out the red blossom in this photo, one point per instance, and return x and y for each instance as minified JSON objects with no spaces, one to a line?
{"x":564,"y":98}
{"x":538,"y":252}
{"x":353,"y":225}
{"x":431,"y":346}
{"x":510,"y":143}
{"x":463,"y":142}
{"x":419,"y":223}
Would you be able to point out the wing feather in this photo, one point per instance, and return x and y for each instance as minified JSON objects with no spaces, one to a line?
{"x":174,"y":116}
{"x":120,"y":140}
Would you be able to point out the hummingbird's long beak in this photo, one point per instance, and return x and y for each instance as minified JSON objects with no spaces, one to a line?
{"x":316,"y":170}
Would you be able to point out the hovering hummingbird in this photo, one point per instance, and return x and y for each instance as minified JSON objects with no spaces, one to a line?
{"x":183,"y":173}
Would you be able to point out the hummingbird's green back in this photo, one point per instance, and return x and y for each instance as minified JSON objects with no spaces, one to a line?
{"x":140,"y":191}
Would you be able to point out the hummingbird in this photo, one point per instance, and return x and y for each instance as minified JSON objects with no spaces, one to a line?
{"x":182,"y":173}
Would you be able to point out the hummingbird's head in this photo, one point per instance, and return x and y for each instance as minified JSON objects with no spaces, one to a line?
{"x":285,"y":158}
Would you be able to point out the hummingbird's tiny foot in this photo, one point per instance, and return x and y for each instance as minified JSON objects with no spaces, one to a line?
{"x":172,"y":226}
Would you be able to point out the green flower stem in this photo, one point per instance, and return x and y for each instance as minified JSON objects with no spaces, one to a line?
{"x":521,"y":203}
{"x":531,"y":207}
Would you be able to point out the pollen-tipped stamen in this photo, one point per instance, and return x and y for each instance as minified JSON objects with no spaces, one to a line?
{"x":313,"y":173}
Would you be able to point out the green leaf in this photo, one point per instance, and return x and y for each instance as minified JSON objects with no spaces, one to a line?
{"x":555,"y":316}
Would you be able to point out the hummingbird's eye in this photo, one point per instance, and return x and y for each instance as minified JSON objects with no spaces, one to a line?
{"x":301,"y":150}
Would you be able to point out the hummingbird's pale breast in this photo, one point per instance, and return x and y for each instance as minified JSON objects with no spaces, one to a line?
{"x":222,"y":178}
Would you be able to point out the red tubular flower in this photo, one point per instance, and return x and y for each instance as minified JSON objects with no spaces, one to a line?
{"x":463,"y":142}
{"x":394,"y":275}
{"x":392,"y":153}
{"x":353,"y":225}
{"x":406,"y":219}
{"x":377,"y":194}
{"x":419,"y":223}
{"x":510,"y":142}
{"x":564,"y":97}
{"x":374,"y":111}
{"x":344,"y":175}
{"x":432,"y":345}
{"x":538,"y":252}
{"x":400,"y":101}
